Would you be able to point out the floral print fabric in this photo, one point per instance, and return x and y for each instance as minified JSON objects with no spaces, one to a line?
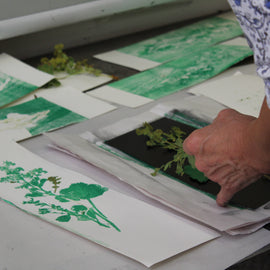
{"x":254,"y":18}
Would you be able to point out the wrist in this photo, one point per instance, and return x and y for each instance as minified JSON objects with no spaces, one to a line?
{"x":259,"y":133}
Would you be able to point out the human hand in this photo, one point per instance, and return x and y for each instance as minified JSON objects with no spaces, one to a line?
{"x":228,"y":153}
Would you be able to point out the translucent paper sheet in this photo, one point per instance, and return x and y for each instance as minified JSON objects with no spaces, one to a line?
{"x":174,"y":194}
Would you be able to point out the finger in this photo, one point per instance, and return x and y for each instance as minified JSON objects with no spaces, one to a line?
{"x":224,"y":196}
{"x":192,"y":144}
{"x":231,"y":186}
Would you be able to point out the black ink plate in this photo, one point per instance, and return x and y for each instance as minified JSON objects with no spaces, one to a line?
{"x":252,"y":197}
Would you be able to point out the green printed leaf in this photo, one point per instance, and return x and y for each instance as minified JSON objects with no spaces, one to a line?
{"x":64,"y":218}
{"x":83,"y":191}
{"x":44,"y":211}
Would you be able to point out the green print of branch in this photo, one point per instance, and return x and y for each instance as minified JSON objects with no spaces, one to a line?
{"x":34,"y":181}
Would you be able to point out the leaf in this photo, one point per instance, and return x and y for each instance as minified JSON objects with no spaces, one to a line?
{"x":191,"y":160}
{"x":84,"y":218}
{"x":64,"y":218}
{"x":61,"y":198}
{"x":43,"y":211}
{"x":82,"y":191}
{"x":46,"y":68}
{"x":78,"y":208}
{"x":35,"y":194}
{"x":195,"y":174}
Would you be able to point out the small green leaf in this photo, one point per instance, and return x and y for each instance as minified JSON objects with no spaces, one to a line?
{"x":191,"y":160}
{"x":195,"y":174}
{"x":44,"y":211}
{"x":64,"y":218}
{"x":61,"y":198}
{"x":78,"y":208}
{"x":83,"y":191}
{"x":84,"y":218}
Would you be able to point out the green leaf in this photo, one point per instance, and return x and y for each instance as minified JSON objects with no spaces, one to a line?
{"x":78,"y":208}
{"x":82,"y":191}
{"x":46,"y":68}
{"x":64,"y":218}
{"x":84,"y":218}
{"x":191,"y":160}
{"x":44,"y":211}
{"x":61,"y":198}
{"x":195,"y":174}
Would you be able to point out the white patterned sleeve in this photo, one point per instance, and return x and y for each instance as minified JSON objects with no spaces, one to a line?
{"x":254,"y":18}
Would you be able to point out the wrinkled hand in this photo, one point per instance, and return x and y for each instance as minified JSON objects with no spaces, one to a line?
{"x":227,"y":153}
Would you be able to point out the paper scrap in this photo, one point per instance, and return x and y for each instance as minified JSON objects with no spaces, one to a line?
{"x":82,"y":82}
{"x":117,"y":96}
{"x":244,"y":93}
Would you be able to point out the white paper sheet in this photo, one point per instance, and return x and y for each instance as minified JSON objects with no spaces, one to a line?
{"x":222,"y":252}
{"x":127,"y":60}
{"x":83,"y":82}
{"x":240,"y":41}
{"x":244,"y":93}
{"x":71,"y":99}
{"x":117,"y":96}
{"x":17,"y":69}
{"x":118,"y":222}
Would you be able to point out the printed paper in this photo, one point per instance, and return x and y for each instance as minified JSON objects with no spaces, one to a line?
{"x":82,"y":206}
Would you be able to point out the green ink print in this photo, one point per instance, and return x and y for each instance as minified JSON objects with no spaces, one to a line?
{"x":34,"y":180}
{"x":64,"y":218}
{"x":185,"y":40}
{"x":83,"y":191}
{"x":12,"y":89}
{"x":183,"y":72}
{"x":37,"y":116}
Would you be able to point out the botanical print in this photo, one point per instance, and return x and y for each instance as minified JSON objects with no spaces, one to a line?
{"x":183,"y":72}
{"x":21,"y":121}
{"x":35,"y":182}
{"x":185,"y":40}
{"x":12,"y":89}
{"x":35,"y":117}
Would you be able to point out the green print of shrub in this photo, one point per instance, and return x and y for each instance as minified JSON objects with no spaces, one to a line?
{"x":34,"y":181}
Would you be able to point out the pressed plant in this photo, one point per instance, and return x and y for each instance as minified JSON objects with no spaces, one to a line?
{"x":172,"y":141}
